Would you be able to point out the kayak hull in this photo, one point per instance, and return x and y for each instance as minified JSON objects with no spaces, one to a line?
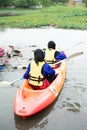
{"x":28,"y":102}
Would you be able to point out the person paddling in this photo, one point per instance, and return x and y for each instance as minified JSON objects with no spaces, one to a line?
{"x":52,"y":55}
{"x":38,"y":71}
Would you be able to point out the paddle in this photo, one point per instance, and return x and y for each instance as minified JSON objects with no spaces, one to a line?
{"x":76,"y":44}
{"x":70,"y":57}
{"x":5,"y":83}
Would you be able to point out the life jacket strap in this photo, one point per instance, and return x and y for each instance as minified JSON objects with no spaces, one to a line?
{"x":36,"y":79}
{"x":50,"y":62}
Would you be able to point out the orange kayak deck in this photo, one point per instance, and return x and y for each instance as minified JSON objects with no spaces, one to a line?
{"x":28,"y":102}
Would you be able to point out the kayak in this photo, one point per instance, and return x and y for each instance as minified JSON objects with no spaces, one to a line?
{"x":28,"y":102}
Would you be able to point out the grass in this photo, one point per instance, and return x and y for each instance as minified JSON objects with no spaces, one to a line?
{"x":74,"y":17}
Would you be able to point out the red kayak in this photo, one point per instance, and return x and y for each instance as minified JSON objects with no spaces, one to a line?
{"x":28,"y":102}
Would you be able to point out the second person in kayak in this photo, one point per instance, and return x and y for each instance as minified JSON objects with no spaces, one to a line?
{"x":52,"y":55}
{"x":38,"y":71}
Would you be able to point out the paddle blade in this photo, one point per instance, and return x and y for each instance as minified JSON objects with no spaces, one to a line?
{"x":4,"y":83}
{"x":75,"y":55}
{"x":73,"y":46}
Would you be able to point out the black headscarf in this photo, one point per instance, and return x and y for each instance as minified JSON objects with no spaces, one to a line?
{"x":51,"y":44}
{"x":38,"y":55}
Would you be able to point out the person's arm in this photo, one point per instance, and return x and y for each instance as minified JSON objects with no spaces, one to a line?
{"x":60,"y":55}
{"x":26,"y":74}
{"x":47,"y":70}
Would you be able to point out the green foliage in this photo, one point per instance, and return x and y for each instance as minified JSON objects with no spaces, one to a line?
{"x":85,"y":1}
{"x":28,"y":3}
{"x":61,"y":1}
{"x":57,"y":16}
{"x":46,"y":2}
{"x":4,"y":3}
{"x":25,"y":3}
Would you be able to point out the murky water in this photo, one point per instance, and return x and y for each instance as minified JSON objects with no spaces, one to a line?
{"x":69,"y":111}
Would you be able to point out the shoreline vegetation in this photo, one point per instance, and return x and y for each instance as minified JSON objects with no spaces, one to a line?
{"x":58,"y":16}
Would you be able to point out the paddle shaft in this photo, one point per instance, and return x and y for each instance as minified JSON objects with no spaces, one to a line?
{"x":76,"y":44}
{"x":16,"y":80}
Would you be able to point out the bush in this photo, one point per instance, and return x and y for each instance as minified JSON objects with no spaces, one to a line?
{"x":85,"y":1}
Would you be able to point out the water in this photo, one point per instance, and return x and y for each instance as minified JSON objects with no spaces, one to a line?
{"x":69,"y":111}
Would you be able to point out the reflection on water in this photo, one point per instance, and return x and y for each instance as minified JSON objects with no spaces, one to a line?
{"x":38,"y":121}
{"x":74,"y":106}
{"x":2,"y":29}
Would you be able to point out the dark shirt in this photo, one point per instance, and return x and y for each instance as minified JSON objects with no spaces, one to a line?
{"x":60,"y":55}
